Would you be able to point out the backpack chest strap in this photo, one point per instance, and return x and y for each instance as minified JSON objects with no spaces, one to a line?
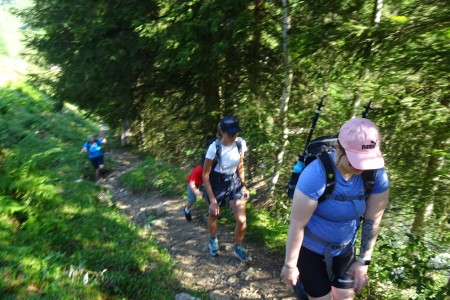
{"x":348,"y":198}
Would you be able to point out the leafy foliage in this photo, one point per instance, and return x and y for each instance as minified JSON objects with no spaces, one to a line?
{"x":152,"y":175}
{"x":173,"y":68}
{"x":58,"y":241}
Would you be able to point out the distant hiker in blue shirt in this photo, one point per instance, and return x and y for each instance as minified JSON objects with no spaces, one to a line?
{"x":321,"y":238}
{"x":94,"y":149}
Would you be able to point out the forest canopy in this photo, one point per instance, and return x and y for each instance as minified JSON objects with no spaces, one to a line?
{"x":166,"y":71}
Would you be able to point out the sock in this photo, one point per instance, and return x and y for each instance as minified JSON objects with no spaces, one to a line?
{"x":186,"y":210}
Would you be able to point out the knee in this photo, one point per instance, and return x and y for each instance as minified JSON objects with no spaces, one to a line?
{"x":213,"y":218}
{"x":241,"y":221}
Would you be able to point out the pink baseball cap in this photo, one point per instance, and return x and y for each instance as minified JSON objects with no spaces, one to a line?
{"x":362,"y":141}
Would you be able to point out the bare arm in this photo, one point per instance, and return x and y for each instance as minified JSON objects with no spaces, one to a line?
{"x":194,"y":189}
{"x":375,"y":206}
{"x":207,"y":166}
{"x":241,"y":174}
{"x":214,"y":208}
{"x":301,"y":211}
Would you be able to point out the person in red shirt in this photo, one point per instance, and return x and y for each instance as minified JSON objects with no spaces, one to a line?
{"x":194,"y":189}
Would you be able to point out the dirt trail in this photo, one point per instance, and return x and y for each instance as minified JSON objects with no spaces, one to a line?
{"x":223,"y":277}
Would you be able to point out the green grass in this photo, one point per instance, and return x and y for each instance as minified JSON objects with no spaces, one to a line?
{"x":169,"y":180}
{"x":153,"y":175}
{"x":53,"y":228}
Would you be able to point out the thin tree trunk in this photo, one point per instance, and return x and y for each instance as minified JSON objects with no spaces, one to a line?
{"x":377,"y":11}
{"x":126,"y":131}
{"x":427,"y":188}
{"x":284,"y":102}
{"x":254,"y":79}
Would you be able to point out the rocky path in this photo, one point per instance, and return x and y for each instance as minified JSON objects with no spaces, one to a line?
{"x":223,"y":277}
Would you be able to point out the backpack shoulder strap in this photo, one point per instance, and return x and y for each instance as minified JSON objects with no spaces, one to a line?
{"x":369,"y":181}
{"x":327,"y":165}
{"x":239,"y":145}
{"x":218,"y":158}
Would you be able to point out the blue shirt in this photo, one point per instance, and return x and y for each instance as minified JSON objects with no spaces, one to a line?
{"x":94,"y":150}
{"x":333,"y":220}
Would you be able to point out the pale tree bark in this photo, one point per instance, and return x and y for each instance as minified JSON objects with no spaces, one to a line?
{"x":284,"y":102}
{"x":377,"y":12}
{"x":424,"y":208}
{"x":126,"y":132}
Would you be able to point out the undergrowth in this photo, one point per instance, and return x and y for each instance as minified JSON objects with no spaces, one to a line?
{"x":57,"y":240}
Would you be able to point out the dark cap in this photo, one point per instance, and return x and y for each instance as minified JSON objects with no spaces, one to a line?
{"x":230,"y":125}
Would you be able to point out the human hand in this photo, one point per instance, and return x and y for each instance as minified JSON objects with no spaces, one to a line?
{"x":358,"y":271}
{"x":290,"y":275}
{"x":198,"y":193}
{"x":214,"y":208}
{"x":245,"y":192}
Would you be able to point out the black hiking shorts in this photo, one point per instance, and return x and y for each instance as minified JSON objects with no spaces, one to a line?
{"x":314,"y":276}
{"x":225,"y":187}
{"x":97,"y":161}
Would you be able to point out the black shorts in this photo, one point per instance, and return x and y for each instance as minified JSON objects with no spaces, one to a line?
{"x":314,"y":276}
{"x":225,"y":187}
{"x":97,"y":161}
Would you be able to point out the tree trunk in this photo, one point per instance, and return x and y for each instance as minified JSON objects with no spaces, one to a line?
{"x":126,"y":132}
{"x":427,"y":188}
{"x":376,"y":18}
{"x":212,"y":105}
{"x":284,"y":103}
{"x":254,"y":80}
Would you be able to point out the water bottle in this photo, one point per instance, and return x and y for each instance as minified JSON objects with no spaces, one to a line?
{"x":298,"y":168}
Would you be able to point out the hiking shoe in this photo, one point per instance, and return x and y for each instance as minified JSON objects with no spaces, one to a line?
{"x":240,"y":253}
{"x":213,"y":247}
{"x":187,"y":214}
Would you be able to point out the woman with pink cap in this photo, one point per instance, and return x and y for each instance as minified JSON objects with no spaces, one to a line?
{"x":320,"y":246}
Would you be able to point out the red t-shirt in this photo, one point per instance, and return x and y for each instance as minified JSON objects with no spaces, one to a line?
{"x":196,"y":175}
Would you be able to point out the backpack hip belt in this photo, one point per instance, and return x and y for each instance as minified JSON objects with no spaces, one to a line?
{"x":223,"y":176}
{"x":329,"y":247}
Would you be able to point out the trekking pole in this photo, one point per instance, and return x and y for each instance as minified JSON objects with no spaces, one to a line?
{"x":366,"y":109}
{"x":314,"y":121}
{"x":300,"y":164}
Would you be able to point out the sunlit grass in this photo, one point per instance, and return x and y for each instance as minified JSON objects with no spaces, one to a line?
{"x":153,"y":175}
{"x":51,"y":219}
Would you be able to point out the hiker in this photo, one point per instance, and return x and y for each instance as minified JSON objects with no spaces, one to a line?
{"x":226,"y":182}
{"x":321,"y":238}
{"x":194,"y":189}
{"x":95,"y":153}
